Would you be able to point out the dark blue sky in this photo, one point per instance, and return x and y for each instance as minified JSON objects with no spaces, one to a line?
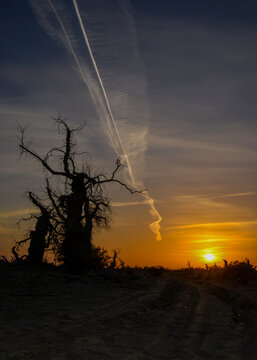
{"x":220,"y":14}
{"x":21,"y":33}
{"x":25,"y":42}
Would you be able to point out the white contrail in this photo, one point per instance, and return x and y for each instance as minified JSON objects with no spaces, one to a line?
{"x":103,"y":89}
{"x":86,"y":80}
{"x":105,"y":107}
{"x":155,"y":226}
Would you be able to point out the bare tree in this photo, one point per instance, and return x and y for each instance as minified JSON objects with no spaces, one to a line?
{"x":82,"y":206}
{"x":38,"y":237}
{"x":42,"y":235}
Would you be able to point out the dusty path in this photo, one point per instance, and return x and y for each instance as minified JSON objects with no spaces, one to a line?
{"x":51,"y":316}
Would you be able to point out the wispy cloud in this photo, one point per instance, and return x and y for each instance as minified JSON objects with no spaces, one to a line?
{"x":203,"y":201}
{"x":207,"y":241}
{"x":14,"y":213}
{"x":130,"y":203}
{"x":214,"y":224}
{"x":238,"y":194}
{"x":19,"y":113}
{"x":171,"y":142}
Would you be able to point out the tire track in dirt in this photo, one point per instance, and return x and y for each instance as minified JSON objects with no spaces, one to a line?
{"x":177,"y":320}
{"x":199,"y":326}
{"x":212,"y":332}
{"x":244,"y":306}
{"x":167,"y":318}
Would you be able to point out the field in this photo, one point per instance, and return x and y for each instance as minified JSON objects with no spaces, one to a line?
{"x":149,"y":314}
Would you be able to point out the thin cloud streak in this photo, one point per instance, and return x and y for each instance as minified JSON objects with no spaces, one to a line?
{"x":237,"y":194}
{"x":19,"y":113}
{"x":218,"y":224}
{"x":161,"y":141}
{"x":130,"y":203}
{"x":199,"y":200}
{"x":14,"y":213}
{"x":207,"y":241}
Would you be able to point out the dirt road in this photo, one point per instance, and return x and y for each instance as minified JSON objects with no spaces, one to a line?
{"x":51,"y":316}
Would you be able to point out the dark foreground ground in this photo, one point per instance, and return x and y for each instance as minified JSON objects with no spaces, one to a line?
{"x":47,"y":314}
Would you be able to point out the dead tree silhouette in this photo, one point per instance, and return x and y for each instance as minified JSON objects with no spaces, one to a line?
{"x":80,"y":208}
{"x":39,"y":237}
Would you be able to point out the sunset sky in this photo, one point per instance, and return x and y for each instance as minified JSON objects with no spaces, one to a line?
{"x":181,"y":81}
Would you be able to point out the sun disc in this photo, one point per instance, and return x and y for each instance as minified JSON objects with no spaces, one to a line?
{"x":209,"y":257}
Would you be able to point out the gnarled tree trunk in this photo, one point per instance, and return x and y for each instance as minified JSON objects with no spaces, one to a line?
{"x":38,"y":240}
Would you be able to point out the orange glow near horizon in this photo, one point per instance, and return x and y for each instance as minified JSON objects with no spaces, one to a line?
{"x":180,"y":245}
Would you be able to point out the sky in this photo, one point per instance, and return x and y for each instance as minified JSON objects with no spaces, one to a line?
{"x":181,"y":81}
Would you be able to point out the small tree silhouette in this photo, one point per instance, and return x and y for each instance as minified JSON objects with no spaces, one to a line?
{"x":71,"y":215}
{"x":38,"y":236}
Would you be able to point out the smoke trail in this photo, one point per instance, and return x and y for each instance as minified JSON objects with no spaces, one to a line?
{"x":155,"y":226}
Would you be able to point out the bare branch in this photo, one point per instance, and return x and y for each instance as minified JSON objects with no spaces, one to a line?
{"x":26,"y":149}
{"x":76,"y":207}
{"x":123,"y":185}
{"x":112,"y":179}
{"x":21,"y":242}
{"x":36,"y":202}
{"x":51,"y":197}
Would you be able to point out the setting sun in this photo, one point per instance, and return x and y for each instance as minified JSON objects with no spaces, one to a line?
{"x":209,"y":257}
